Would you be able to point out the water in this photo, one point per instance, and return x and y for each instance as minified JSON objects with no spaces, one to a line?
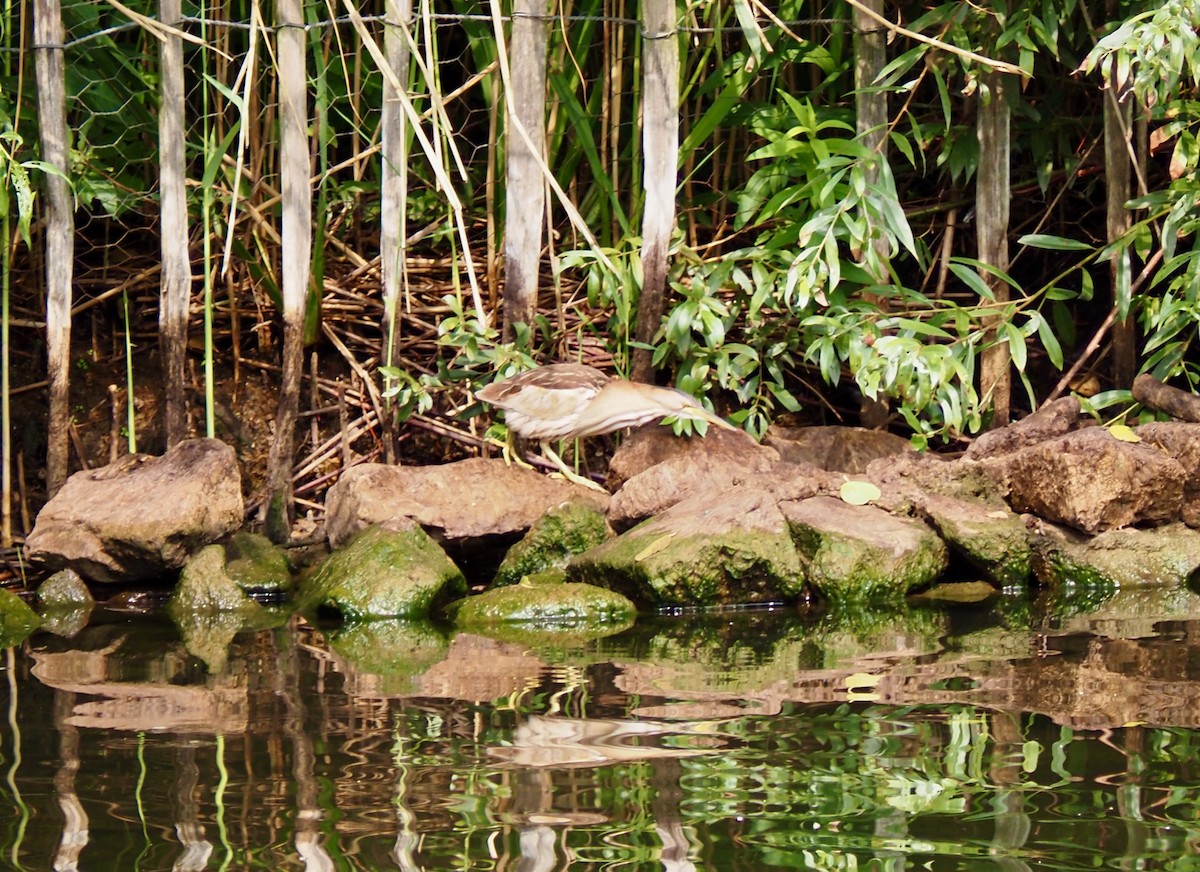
{"x":1007,"y":735}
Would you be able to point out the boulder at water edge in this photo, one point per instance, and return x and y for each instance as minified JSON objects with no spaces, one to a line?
{"x":141,"y":517}
{"x":385,"y":571}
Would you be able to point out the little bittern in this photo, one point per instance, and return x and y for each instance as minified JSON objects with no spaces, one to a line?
{"x":570,"y":400}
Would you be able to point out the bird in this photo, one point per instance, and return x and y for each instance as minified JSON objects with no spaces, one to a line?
{"x":573,"y":400}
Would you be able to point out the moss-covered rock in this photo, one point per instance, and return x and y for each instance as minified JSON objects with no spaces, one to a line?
{"x":205,"y":586}
{"x":384,"y":571}
{"x":992,"y":538}
{"x":545,"y":600}
{"x":1166,"y":555}
{"x":65,"y":589}
{"x":729,"y":547}
{"x":859,"y":554}
{"x":17,"y":620}
{"x":559,"y":535}
{"x":257,"y":564}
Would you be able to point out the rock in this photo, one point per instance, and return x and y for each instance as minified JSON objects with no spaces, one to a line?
{"x":1182,"y":442}
{"x":205,"y":586}
{"x":859,"y":554}
{"x":1049,"y":422}
{"x":17,"y":620}
{"x":560,"y":534}
{"x":990,"y":537}
{"x":906,"y":479}
{"x":469,"y":499}
{"x":141,"y":517}
{"x":545,"y":600}
{"x":65,"y":589}
{"x":1092,"y":481}
{"x":257,"y":564}
{"x":387,"y":570}
{"x":1166,"y":555}
{"x":835,"y":448}
{"x":66,"y":603}
{"x":653,"y":469}
{"x":726,"y":547}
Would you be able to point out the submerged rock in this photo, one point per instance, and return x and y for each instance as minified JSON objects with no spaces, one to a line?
{"x":726,"y":547}
{"x":1160,"y":556}
{"x":557,"y":536}
{"x":470,"y":499}
{"x":141,"y":517}
{"x":855,"y":554}
{"x":546,"y":600}
{"x":386,"y":570}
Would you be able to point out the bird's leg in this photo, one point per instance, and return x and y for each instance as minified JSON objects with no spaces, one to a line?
{"x":568,"y":473}
{"x":511,"y":451}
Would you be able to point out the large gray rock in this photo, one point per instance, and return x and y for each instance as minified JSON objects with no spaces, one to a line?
{"x":466,"y":500}
{"x":1182,"y":442}
{"x":653,"y":469}
{"x":141,"y":517}
{"x":1049,"y":422}
{"x":1092,"y":481}
{"x":835,"y":448}
{"x":857,"y":554}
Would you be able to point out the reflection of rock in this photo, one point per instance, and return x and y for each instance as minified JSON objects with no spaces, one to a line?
{"x":478,"y":669}
{"x":141,"y":517}
{"x":566,"y":742}
{"x":398,"y":650}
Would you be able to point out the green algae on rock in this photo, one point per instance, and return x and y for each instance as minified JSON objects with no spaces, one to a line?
{"x":385,"y":571}
{"x":555,"y":538}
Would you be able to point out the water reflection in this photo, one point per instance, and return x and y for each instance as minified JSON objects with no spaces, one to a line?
{"x":1010,"y":735}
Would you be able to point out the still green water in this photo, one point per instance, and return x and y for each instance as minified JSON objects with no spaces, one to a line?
{"x":1006,"y":735}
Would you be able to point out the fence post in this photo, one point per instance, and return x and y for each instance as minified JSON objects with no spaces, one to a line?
{"x":660,"y":145}
{"x":296,"y":248}
{"x":59,"y":214}
{"x":525,"y":189}
{"x":393,"y":194}
{"x":991,"y":208}
{"x":176,"y":287}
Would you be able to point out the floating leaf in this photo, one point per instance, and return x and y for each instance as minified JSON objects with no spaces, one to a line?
{"x":858,"y":493}
{"x":1123,"y":433}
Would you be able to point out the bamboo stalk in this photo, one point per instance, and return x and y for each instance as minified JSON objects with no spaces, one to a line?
{"x":992,"y":193}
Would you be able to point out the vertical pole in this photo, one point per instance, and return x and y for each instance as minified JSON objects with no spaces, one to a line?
{"x":660,"y":145}
{"x":525,"y":189}
{"x":296,"y":246}
{"x":176,"y":287}
{"x":393,"y":194}
{"x":1118,"y":184}
{"x":991,"y":208}
{"x":60,"y":231}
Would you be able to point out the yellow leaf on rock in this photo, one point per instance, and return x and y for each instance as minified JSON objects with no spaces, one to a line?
{"x":858,"y":493}
{"x":1125,"y":434}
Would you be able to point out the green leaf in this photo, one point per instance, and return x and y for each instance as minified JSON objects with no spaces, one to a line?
{"x":1049,"y":341}
{"x":1016,"y":344}
{"x":1054,"y":243}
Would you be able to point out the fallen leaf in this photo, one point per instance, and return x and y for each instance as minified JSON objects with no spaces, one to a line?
{"x":858,"y":493}
{"x":1123,"y":433}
